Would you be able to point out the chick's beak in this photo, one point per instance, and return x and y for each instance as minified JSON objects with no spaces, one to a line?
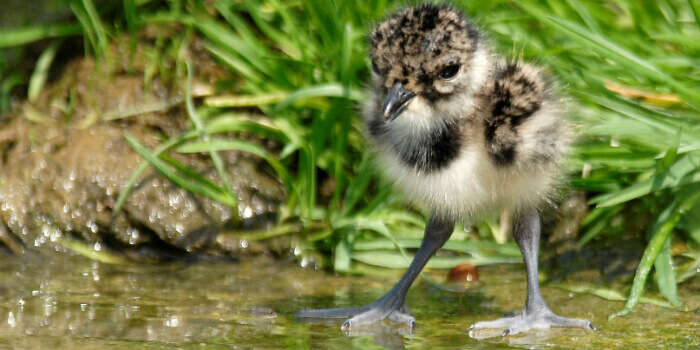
{"x":396,"y":101}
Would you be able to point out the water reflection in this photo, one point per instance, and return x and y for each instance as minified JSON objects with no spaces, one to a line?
{"x":78,"y":298}
{"x":386,"y":335}
{"x":72,"y":302}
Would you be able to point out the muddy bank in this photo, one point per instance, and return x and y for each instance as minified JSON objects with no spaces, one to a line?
{"x":64,"y":162}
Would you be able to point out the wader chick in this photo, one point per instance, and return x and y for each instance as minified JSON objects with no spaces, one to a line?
{"x":462,"y":133}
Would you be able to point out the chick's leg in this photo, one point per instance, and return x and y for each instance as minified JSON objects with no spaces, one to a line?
{"x":392,"y":306}
{"x":536,"y":313}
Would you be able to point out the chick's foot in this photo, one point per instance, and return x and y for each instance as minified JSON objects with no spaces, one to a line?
{"x":382,"y":309}
{"x":539,"y":320}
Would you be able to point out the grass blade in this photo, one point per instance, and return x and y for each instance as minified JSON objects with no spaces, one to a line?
{"x":243,"y":146}
{"x":394,"y":260}
{"x":684,"y":171}
{"x":41,"y":71}
{"x":124,"y":193}
{"x":245,"y":100}
{"x":324,"y":90}
{"x":661,"y":231}
{"x":665,"y":275}
{"x":89,"y":251}
{"x":612,"y":295}
{"x":28,"y":35}
{"x":217,"y":194}
{"x":216,"y":159}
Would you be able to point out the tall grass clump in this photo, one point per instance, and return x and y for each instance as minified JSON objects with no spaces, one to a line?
{"x":629,"y":69}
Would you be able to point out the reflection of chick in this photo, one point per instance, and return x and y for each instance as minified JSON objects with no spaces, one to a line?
{"x":461,"y":133}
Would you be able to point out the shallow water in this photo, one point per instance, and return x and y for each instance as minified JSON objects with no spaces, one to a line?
{"x":71,"y":302}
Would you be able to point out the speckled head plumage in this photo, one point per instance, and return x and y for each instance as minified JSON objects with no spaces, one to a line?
{"x":423,"y":47}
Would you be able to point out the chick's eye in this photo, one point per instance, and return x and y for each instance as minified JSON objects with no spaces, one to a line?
{"x":449,"y":72}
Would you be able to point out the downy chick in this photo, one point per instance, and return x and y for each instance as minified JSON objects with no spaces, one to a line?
{"x":461,"y":133}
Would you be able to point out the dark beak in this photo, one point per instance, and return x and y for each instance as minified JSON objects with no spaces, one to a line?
{"x":397,"y":100}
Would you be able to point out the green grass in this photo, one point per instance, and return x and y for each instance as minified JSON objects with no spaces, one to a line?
{"x":629,"y":67}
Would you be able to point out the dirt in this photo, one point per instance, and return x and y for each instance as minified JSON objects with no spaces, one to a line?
{"x":64,"y":162}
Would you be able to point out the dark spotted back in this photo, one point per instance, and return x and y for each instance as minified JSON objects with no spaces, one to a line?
{"x":518,"y":92}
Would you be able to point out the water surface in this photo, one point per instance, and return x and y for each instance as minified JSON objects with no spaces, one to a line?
{"x":71,"y":302}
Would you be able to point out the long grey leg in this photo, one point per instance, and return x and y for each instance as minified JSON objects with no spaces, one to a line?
{"x":536,"y":313}
{"x":526,"y":230}
{"x":392,"y":306}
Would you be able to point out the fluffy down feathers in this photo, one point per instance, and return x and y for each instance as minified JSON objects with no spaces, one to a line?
{"x":488,"y":138}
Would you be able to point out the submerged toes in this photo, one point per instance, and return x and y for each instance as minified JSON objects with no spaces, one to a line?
{"x":519,"y":324}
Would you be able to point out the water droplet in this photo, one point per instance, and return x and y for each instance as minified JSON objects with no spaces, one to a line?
{"x":172,"y":322}
{"x":11,"y":319}
{"x":247,"y":213}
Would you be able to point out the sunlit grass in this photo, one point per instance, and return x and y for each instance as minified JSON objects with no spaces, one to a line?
{"x":630,"y":70}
